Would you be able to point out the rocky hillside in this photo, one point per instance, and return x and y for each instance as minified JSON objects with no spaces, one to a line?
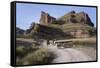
{"x":46,"y":32}
{"x":73,"y":17}
{"x":70,"y":25}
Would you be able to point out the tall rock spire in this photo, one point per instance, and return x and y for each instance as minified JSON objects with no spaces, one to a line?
{"x":46,"y":18}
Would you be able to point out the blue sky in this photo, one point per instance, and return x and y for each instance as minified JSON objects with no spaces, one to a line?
{"x":28,"y":13}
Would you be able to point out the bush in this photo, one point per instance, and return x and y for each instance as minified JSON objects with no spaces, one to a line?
{"x":20,"y":52}
{"x":41,"y":56}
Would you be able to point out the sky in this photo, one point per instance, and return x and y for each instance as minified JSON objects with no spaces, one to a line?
{"x":27,"y":13}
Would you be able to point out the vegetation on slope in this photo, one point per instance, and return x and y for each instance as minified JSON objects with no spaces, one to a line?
{"x":27,"y":56}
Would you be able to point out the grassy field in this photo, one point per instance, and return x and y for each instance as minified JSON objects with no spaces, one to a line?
{"x":84,"y":41}
{"x":81,"y":42}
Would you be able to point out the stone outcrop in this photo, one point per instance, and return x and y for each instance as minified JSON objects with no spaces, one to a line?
{"x":73,"y":17}
{"x":84,"y":18}
{"x":79,"y":34}
{"x":31,"y":28}
{"x":46,"y":18}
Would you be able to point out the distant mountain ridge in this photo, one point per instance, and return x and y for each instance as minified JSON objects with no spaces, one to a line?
{"x":19,"y":31}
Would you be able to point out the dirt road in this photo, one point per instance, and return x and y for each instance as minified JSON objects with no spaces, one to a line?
{"x":73,"y":54}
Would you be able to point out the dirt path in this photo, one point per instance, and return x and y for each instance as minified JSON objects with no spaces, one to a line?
{"x":71,"y":55}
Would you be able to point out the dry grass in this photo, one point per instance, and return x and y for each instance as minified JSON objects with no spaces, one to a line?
{"x":40,"y":56}
{"x":84,"y":41}
{"x":79,"y":42}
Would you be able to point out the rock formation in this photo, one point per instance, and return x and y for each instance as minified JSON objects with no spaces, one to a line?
{"x":79,"y":33}
{"x":45,"y":32}
{"x":46,"y":18}
{"x":73,"y":17}
{"x":31,"y":28}
{"x":71,"y":25}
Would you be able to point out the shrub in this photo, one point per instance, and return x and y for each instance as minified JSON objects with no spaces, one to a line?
{"x":41,"y":56}
{"x":20,"y":51}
